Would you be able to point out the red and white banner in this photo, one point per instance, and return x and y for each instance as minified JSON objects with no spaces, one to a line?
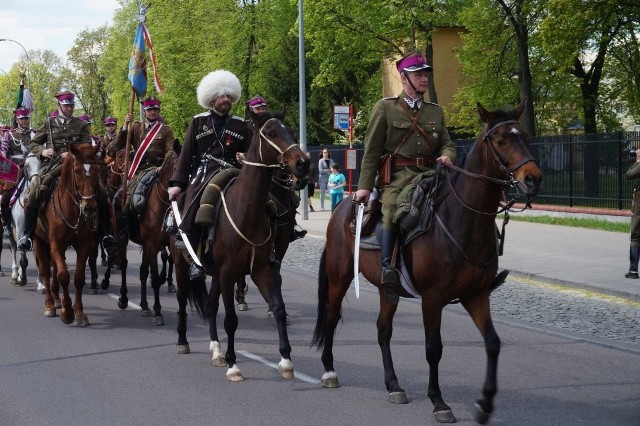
{"x":142,"y":149}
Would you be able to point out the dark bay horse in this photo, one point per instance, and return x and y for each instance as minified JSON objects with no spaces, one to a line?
{"x":147,"y":232}
{"x":456,"y":259}
{"x":70,"y":219}
{"x":243,"y":245}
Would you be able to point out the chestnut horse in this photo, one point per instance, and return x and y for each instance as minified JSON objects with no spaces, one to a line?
{"x":456,"y":259}
{"x":243,"y":245}
{"x":146,"y":231}
{"x":70,"y":219}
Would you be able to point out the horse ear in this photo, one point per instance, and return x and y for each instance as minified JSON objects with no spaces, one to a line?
{"x":485,"y":115}
{"x":520,"y":108}
{"x":176,"y":146}
{"x":280,"y":114}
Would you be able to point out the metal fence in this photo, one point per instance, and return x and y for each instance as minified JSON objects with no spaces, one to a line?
{"x":578,"y":170}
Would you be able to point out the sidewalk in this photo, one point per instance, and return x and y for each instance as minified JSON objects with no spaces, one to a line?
{"x":574,"y":257}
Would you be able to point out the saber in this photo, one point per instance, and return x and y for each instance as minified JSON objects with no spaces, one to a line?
{"x":185,"y":239}
{"x":356,"y":249}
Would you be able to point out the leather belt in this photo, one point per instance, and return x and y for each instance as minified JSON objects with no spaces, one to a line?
{"x":408,"y":162}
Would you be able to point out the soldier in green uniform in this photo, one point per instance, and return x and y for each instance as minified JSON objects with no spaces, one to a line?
{"x":415,"y":148}
{"x":634,"y":234}
{"x":50,"y":144}
{"x":17,"y":150}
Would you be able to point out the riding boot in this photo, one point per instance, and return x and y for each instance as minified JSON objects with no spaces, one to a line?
{"x":634,"y":255}
{"x":390,"y":275}
{"x":109,"y":243}
{"x":196,"y":272}
{"x":30,"y":219}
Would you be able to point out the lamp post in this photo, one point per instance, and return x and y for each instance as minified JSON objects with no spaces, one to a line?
{"x":26,"y":54}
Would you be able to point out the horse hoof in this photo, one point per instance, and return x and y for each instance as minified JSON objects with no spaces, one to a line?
{"x":183,"y":349}
{"x":147,"y":313}
{"x":104,"y":284}
{"x":93,"y":290}
{"x":81,"y":322}
{"x":22,"y":283}
{"x":243,"y":307}
{"x":49,"y":313}
{"x":398,"y":397}
{"x":330,"y":380}
{"x":234,"y":374}
{"x":285,"y":367}
{"x":480,"y":416}
{"x":57,"y":304}
{"x":66,"y":319}
{"x":270,"y":313}
{"x":171,"y":288}
{"x":122,"y":304}
{"x":158,"y":320}
{"x":217,"y":359}
{"x":41,"y":288}
{"x":444,"y":416}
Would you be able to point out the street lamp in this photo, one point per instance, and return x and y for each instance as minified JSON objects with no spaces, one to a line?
{"x":26,"y":54}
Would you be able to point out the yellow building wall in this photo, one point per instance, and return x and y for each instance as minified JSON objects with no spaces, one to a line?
{"x":446,"y":68}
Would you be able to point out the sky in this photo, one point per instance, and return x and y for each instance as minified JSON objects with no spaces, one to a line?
{"x":48,"y":24}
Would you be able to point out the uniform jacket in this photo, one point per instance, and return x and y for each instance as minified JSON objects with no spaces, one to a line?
{"x":108,"y":139}
{"x":57,"y":134}
{"x":160,"y":147}
{"x":19,"y":145}
{"x":387,"y":126}
{"x":634,"y":173}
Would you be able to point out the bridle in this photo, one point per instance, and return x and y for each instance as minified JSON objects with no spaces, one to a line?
{"x":79,"y":199}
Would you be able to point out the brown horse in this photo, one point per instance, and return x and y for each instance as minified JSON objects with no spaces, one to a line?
{"x":146,"y":231}
{"x":70,"y":219}
{"x":243,"y":245}
{"x":456,"y":259}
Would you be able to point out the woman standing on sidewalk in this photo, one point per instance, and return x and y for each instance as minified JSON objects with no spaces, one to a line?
{"x":324,"y":170}
{"x":337,"y":182}
{"x":634,"y":234}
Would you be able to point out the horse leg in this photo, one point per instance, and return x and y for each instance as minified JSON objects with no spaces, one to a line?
{"x":384,"y":324}
{"x":217,"y":359}
{"x":123,"y":300}
{"x":478,"y":307}
{"x":164,"y":256}
{"x":144,"y":274}
{"x":62,"y":279}
{"x":156,"y":282}
{"x":171,"y":288}
{"x":93,"y":268}
{"x":182,"y":294}
{"x":103,"y":255}
{"x":230,"y":326}
{"x":44,"y":268}
{"x":432,"y":318}
{"x":285,"y":367}
{"x":79,"y":281}
{"x":241,"y":291}
{"x":15,"y":269}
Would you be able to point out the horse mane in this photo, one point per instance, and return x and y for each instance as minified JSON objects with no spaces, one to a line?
{"x":167,"y":164}
{"x":83,"y":153}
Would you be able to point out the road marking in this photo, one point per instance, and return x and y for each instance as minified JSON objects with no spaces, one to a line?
{"x":296,"y":374}
{"x":131,"y":304}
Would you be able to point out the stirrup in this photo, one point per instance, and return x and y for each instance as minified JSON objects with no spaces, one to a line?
{"x":25,"y":244}
{"x":196,"y":273}
{"x":298,"y":232}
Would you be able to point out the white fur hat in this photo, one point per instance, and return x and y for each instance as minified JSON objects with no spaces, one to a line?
{"x":218,"y":83}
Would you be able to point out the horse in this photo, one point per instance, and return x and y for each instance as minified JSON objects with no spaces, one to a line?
{"x":19,"y":267}
{"x":115,"y":175}
{"x":242,"y":245}
{"x":69,"y":219}
{"x":456,"y":260}
{"x":148,"y":233}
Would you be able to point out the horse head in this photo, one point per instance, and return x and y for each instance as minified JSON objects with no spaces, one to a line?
{"x":81,"y":175}
{"x":274,"y":145}
{"x":507,"y":149}
{"x":31,"y":167}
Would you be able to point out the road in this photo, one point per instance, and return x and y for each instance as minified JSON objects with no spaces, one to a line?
{"x":554,"y":368}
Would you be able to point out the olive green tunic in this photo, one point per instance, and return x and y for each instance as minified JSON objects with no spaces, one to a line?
{"x":387,"y":126}
{"x":634,"y":173}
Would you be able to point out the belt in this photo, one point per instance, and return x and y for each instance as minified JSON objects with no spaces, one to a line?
{"x":407,"y":162}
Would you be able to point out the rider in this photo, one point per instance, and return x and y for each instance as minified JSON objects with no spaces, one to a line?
{"x":16,"y":150}
{"x":415,"y":149}
{"x":108,"y":138}
{"x":213,"y":142}
{"x":258,"y":105}
{"x":50,"y":144}
{"x":152,"y":142}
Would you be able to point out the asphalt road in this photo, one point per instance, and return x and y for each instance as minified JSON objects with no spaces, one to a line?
{"x":122,"y":370}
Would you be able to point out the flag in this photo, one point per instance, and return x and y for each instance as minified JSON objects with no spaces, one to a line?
{"x":138,"y":62}
{"x":23,"y":97}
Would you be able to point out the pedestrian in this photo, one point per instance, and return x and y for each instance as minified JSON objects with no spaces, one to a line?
{"x":337,"y":182}
{"x":311,"y":183}
{"x":51,"y":144}
{"x":324,"y":170}
{"x":213,"y":142}
{"x":634,"y":232}
{"x":413,"y":135}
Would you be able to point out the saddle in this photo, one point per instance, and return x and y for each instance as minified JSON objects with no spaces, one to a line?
{"x":140,"y":191}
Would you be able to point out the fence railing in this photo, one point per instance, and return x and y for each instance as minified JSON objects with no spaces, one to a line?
{"x":578,"y":170}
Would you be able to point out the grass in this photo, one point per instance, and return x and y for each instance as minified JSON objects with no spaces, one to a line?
{"x":602,"y":225}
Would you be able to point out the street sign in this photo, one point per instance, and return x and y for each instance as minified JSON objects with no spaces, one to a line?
{"x":341,"y":117}
{"x":350,"y":159}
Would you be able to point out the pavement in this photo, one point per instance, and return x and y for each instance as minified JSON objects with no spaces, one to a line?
{"x":581,"y":258}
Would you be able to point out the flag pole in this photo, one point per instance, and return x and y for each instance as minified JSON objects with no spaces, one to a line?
{"x":127,"y":148}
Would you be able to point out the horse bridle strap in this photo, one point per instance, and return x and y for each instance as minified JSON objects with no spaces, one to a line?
{"x":487,"y":138}
{"x":276,"y":147}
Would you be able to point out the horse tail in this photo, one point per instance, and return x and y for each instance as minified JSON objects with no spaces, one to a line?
{"x":198,"y":296}
{"x":323,"y":298}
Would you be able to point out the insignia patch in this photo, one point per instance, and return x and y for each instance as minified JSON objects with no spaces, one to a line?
{"x":205,"y":128}
{"x":228,"y":141}
{"x":434,"y":134}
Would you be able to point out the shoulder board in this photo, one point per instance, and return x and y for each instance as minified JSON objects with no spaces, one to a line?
{"x":202,"y":114}
{"x":235,"y":117}
{"x":390,"y":98}
{"x":432,"y":103}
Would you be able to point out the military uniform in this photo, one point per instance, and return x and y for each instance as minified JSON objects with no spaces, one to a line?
{"x":634,"y":233}
{"x":388,"y":125}
{"x":160,"y":147}
{"x":209,"y":136}
{"x":19,"y":145}
{"x":107,"y":140}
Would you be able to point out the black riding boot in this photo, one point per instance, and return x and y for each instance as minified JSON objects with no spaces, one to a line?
{"x":634,"y":255}
{"x":104,"y":225}
{"x":30,"y":219}
{"x":390,"y":275}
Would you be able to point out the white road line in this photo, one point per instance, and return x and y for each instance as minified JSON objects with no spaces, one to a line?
{"x":296,"y":374}
{"x":131,"y":304}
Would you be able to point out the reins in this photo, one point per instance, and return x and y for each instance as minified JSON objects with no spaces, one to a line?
{"x":78,"y":199}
